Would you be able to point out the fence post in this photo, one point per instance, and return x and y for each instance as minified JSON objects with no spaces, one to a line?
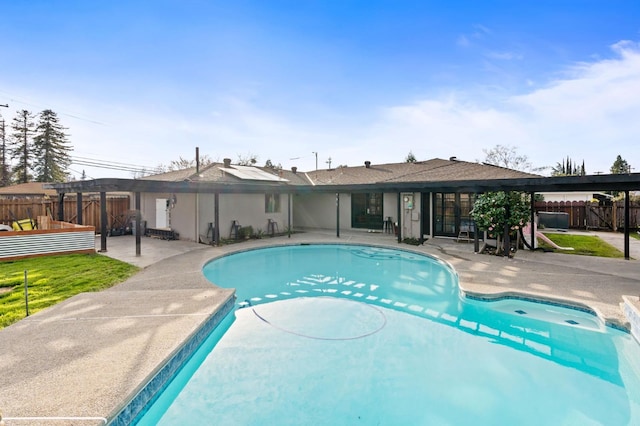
{"x":26,"y":293}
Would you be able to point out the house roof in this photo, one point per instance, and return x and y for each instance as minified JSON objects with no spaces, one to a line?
{"x":436,"y":175}
{"x":434,"y":170}
{"x":221,"y":173}
{"x":28,"y":189}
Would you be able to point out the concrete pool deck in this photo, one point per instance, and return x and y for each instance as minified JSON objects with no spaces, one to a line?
{"x":80,"y":361}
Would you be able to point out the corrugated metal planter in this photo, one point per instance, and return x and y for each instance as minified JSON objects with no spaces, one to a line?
{"x":56,"y":238}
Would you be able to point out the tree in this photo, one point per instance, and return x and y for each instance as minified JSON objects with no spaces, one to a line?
{"x":248,"y":160}
{"x":496,"y":212}
{"x":568,"y":168}
{"x":410,"y":158}
{"x":269,"y":165}
{"x":620,"y":166}
{"x":52,"y":149}
{"x":506,"y":156}
{"x":5,"y":169}
{"x":182,"y":163}
{"x":22,"y":127}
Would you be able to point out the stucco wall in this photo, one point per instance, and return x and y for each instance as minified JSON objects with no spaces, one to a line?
{"x":247,"y":209}
{"x":318,"y":211}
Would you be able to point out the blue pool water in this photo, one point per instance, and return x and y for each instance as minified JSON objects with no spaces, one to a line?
{"x":342,"y":335}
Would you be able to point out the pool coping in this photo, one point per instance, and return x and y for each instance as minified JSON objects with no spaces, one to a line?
{"x":162,"y":375}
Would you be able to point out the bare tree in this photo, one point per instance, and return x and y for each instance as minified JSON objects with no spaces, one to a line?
{"x":247,"y":160}
{"x":508,"y":157}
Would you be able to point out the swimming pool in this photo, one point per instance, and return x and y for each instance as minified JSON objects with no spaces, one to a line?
{"x":346,"y":334}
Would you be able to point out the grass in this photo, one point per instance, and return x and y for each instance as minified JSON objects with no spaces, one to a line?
{"x":635,"y":235}
{"x":53,"y":279}
{"x":586,"y":245}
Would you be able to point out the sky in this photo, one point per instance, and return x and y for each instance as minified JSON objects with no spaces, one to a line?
{"x":139,"y":84}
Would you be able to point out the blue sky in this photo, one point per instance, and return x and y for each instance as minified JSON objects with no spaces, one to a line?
{"x":144,"y":83}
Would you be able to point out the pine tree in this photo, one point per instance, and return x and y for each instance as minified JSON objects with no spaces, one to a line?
{"x":20,"y":150}
{"x":5,"y":170}
{"x":52,"y":149}
{"x":620,"y":166}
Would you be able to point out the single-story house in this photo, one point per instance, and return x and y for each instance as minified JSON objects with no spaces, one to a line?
{"x":430,"y":198}
{"x":422,"y":214}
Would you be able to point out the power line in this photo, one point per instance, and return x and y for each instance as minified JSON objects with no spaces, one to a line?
{"x":77,"y":117}
{"x":113,"y":166}
{"x":78,"y":159}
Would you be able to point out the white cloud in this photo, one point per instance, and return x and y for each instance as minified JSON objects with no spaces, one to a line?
{"x":591,"y":114}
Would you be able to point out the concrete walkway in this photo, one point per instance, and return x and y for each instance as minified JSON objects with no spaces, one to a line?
{"x":84,"y":358}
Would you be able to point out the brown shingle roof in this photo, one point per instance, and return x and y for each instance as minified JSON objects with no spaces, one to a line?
{"x":213,"y":173}
{"x":435,"y":170}
{"x":27,"y":189}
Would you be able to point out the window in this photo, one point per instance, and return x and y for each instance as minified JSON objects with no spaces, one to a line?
{"x":272,"y":203}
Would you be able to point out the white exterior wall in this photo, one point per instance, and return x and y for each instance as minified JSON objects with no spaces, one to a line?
{"x":148,"y":207}
{"x":249,"y":210}
{"x":390,"y":206}
{"x":318,"y":211}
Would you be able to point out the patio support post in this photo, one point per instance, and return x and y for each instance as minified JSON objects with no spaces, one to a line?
{"x":506,"y":241}
{"x":79,"y":209}
{"x":61,"y":207}
{"x":138,"y":226}
{"x":399,"y":213}
{"x":421,"y":218}
{"x":289,"y":215}
{"x":103,"y":221}
{"x":337,"y":214}
{"x":533,"y":219}
{"x":627,"y":218}
{"x":216,"y":218}
{"x":476,"y":238}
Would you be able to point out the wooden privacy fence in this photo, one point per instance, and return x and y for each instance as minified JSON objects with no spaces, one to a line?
{"x":17,"y":209}
{"x":592,"y":215}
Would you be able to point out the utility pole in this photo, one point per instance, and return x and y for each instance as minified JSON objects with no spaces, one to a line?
{"x":329,"y":162}
{"x":316,"y":154}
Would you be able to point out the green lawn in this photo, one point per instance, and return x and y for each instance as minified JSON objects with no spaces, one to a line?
{"x":53,"y":279}
{"x":586,"y":245}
